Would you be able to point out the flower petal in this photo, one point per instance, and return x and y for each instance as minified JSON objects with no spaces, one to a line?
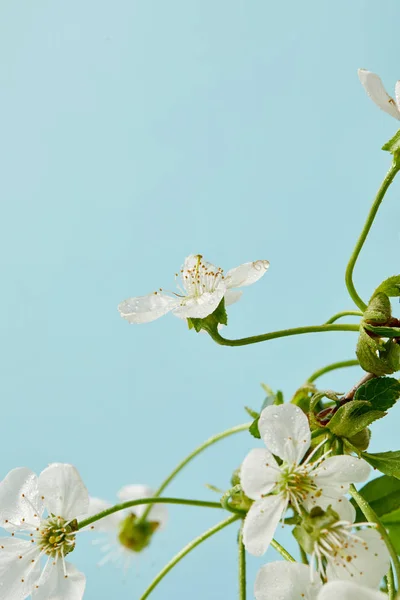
{"x":366,"y":560}
{"x":110,"y":523}
{"x":374,"y":87}
{"x":260,"y":523}
{"x":158,"y":512}
{"x":342,"y":505}
{"x":346,"y":590}
{"x":199,"y":307}
{"x":259,"y":473}
{"x":17,"y":575}
{"x":397,"y":94}
{"x":60,"y":585}
{"x":144,"y":309}
{"x":285,"y":431}
{"x":64,"y":492}
{"x":340,"y":472}
{"x":246,"y":274}
{"x":286,"y":581}
{"x":20,"y":501}
{"x":232,"y":296}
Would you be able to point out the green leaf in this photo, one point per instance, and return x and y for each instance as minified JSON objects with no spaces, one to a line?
{"x":382,"y":494}
{"x":386,"y":462}
{"x":210,"y":323}
{"x":379,"y":309}
{"x":393,"y":145}
{"x":390,"y":287}
{"x":303,"y":395}
{"x":381,"y":392}
{"x":382,"y":331}
{"x":253,"y":413}
{"x":353,"y":417}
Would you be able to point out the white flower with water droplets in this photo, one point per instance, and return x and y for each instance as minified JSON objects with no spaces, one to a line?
{"x":375,"y":89}
{"x":24,"y":497}
{"x":301,"y":483}
{"x":291,"y":581}
{"x":125,"y":537}
{"x":203,"y":287}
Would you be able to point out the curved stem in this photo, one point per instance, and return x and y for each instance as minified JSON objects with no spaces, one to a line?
{"x":212,"y":440}
{"x":372,"y":517}
{"x":344,"y":313}
{"x":242,"y":567}
{"x":282,"y":551}
{"x":140,"y":501}
{"x":395,"y":167}
{"x":255,"y":339}
{"x":178,"y":557}
{"x":390,"y":584}
{"x":337,"y":365}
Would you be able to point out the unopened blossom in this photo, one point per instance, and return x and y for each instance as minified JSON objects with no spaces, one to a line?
{"x":36,"y":534}
{"x":375,"y":89}
{"x":298,"y":481}
{"x":292,"y":581}
{"x":127,"y":531}
{"x":201,"y":290}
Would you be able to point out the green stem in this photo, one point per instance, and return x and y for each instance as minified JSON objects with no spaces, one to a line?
{"x":255,"y":339}
{"x":372,"y":517}
{"x":140,"y":501}
{"x":178,"y":557}
{"x":212,"y":440}
{"x":395,"y":167}
{"x":344,"y":313}
{"x":242,"y":567}
{"x":337,"y":365}
{"x":282,"y":551}
{"x":390,"y":584}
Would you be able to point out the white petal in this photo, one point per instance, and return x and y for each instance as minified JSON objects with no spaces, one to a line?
{"x":286,"y":581}
{"x":246,"y":274}
{"x":20,"y":499}
{"x":374,"y":87}
{"x":342,"y":505}
{"x":60,"y":585}
{"x":285,"y":431}
{"x":17,"y":575}
{"x":64,"y":492}
{"x":260,"y":523}
{"x":110,"y":523}
{"x":158,"y":512}
{"x":346,"y":590}
{"x":369,"y":560}
{"x":232,"y":296}
{"x":200,"y":307}
{"x":340,"y":472}
{"x":259,"y":473}
{"x":144,"y":309}
{"x":397,"y":90}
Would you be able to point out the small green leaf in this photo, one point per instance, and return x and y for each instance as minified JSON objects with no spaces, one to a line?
{"x":303,"y":395}
{"x":386,"y":462}
{"x":382,"y":494}
{"x":382,"y":331}
{"x":268,"y":401}
{"x":353,"y":417}
{"x":210,"y":323}
{"x":381,"y":392}
{"x":253,"y":413}
{"x":393,"y":145}
{"x":390,"y":287}
{"x":379,"y":309}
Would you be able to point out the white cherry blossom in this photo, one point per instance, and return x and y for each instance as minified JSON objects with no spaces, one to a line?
{"x":202,"y":288}
{"x":124,"y":538}
{"x":301,"y":483}
{"x":24,"y":498}
{"x":375,"y":89}
{"x":292,"y":581}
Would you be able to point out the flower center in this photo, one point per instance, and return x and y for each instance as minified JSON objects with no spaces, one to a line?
{"x":201,"y":277}
{"x":296,"y":483}
{"x":56,"y":536}
{"x":135,"y":534}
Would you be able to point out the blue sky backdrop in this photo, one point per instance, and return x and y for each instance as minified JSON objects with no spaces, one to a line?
{"x":133,"y":134}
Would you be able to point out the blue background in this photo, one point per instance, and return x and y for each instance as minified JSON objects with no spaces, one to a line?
{"x":134,"y":134}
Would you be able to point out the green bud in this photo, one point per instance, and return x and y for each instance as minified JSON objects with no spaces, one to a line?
{"x":135,"y":534}
{"x":239,"y":498}
{"x":361,"y":439}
